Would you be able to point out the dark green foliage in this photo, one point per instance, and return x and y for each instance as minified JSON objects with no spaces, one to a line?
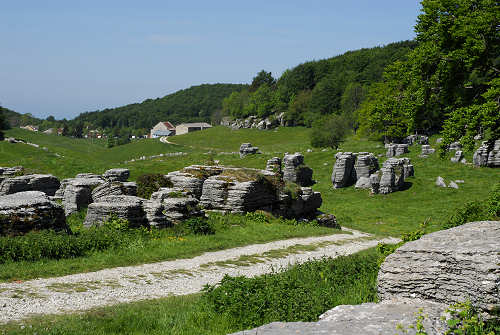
{"x":301,"y":293}
{"x":330,"y":131}
{"x":3,"y":122}
{"x":147,"y":184}
{"x":262,"y":78}
{"x":200,"y":226}
{"x":450,"y":77}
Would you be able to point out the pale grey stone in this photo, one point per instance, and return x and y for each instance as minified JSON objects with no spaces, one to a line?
{"x":125,"y":207}
{"x":455,"y":146}
{"x":447,"y":266}
{"x":366,"y":164}
{"x":452,"y":184}
{"x":480,"y":157}
{"x":457,"y":157}
{"x":31,"y":210}
{"x":117,"y":175}
{"x":342,"y":174}
{"x":274,"y":165}
{"x":427,"y":150}
{"x":295,"y":171}
{"x":34,"y":182}
{"x":440,"y":182}
{"x":494,"y":155}
{"x":363,"y":183}
{"x":247,"y":149}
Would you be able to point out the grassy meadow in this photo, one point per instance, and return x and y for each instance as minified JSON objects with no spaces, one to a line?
{"x":391,"y":214}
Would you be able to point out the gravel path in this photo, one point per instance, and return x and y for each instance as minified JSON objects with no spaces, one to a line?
{"x":84,"y":291}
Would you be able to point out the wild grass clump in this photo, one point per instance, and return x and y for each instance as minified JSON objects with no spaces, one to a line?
{"x":147,"y":184}
{"x":301,"y":293}
{"x":81,"y":241}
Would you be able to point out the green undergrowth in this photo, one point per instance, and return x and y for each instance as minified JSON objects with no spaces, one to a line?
{"x":49,"y":254}
{"x":300,"y":293}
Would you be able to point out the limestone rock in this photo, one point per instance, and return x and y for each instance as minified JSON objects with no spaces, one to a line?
{"x":453,"y":185}
{"x":108,"y":188}
{"x":447,"y":267}
{"x":394,"y":150}
{"x":342,"y":174}
{"x":247,"y":149}
{"x":274,"y":165}
{"x":391,"y":317}
{"x":494,"y":155}
{"x":11,"y":171}
{"x":458,"y":156}
{"x":480,"y":157}
{"x":295,"y":171}
{"x":366,"y":164}
{"x":34,"y":182}
{"x":328,"y":220}
{"x":76,"y":197}
{"x":427,"y":150}
{"x":180,"y":209}
{"x":31,"y":210}
{"x":117,"y":175}
{"x":455,"y":146}
{"x":440,"y":182}
{"x":363,"y":183}
{"x":125,"y":207}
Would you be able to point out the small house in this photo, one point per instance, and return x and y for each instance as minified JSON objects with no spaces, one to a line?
{"x":185,"y":128}
{"x":162,"y":129}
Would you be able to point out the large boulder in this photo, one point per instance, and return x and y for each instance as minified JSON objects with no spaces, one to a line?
{"x":31,"y":210}
{"x":76,"y":197}
{"x":114,"y":188}
{"x":366,"y":164}
{"x":427,"y":150}
{"x":342,"y":174}
{"x":457,"y":157}
{"x":274,"y":165}
{"x":247,"y":149}
{"x":117,"y":175}
{"x":125,"y":207}
{"x":295,"y":171}
{"x":394,"y":150}
{"x":480,"y":157}
{"x":34,"y":182}
{"x":447,"y":266}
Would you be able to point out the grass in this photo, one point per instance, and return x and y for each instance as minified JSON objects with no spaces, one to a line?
{"x":326,"y":283}
{"x":231,"y":231}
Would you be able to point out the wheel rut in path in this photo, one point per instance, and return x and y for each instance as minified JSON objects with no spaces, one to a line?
{"x":83,"y":291}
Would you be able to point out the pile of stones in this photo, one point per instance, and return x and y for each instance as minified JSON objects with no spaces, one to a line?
{"x":363,"y":169}
{"x":422,"y":278}
{"x":487,"y":155}
{"x":256,"y":122}
{"x":247,"y":149}
{"x":394,"y":150}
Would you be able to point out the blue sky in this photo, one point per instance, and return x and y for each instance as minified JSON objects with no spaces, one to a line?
{"x":62,"y":58}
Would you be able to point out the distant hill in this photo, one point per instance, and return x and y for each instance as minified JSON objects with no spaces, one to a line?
{"x":15,"y":119}
{"x":194,"y":104}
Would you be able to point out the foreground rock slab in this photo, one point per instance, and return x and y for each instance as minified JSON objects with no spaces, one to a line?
{"x":390,"y":317}
{"x":26,"y":211}
{"x":447,"y":266}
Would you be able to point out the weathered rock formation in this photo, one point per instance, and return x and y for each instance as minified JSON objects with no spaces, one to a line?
{"x":256,"y":122}
{"x":487,"y":155}
{"x":440,"y":182}
{"x":295,"y":171}
{"x":455,"y":146}
{"x":125,"y":207}
{"x":31,"y":210}
{"x":114,"y":188}
{"x":427,"y":150}
{"x":8,"y":172}
{"x":366,"y":164}
{"x":391,"y":177}
{"x":247,"y":149}
{"x":447,"y":266}
{"x":394,"y":150}
{"x":274,"y":165}
{"x":34,"y":182}
{"x":457,"y":157}
{"x":343,"y":170}
{"x":420,"y":139}
{"x":117,"y":175}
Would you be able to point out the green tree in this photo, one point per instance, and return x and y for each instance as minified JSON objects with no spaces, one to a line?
{"x":262,"y":78}
{"x":260,"y":102}
{"x":3,"y":123}
{"x":298,"y":113}
{"x":329,"y":131}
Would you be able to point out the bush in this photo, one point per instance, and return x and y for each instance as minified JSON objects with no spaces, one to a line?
{"x":147,"y":184}
{"x":200,"y":226}
{"x":301,"y":293}
{"x":329,"y":131}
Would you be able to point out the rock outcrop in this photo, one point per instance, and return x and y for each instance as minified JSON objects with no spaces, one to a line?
{"x":247,"y":149}
{"x":447,"y":266}
{"x":117,"y":174}
{"x":394,"y":150}
{"x":427,"y":150}
{"x":343,"y":170}
{"x":31,"y":210}
{"x":256,"y":122}
{"x":391,"y":177}
{"x":34,"y":182}
{"x":459,"y":155}
{"x":487,"y":155}
{"x":274,"y":165}
{"x":366,"y":164}
{"x":125,"y":207}
{"x":8,"y":172}
{"x":294,"y":170}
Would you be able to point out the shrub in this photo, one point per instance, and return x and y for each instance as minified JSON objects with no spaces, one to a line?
{"x":147,"y":184}
{"x":200,"y":226}
{"x":301,"y":293}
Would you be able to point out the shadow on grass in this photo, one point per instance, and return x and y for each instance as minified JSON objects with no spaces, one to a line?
{"x":406,"y":186}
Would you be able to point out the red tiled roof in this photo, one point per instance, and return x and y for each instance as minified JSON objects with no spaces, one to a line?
{"x":169,"y":125}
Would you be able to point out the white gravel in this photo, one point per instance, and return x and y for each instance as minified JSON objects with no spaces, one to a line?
{"x":84,"y":291}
